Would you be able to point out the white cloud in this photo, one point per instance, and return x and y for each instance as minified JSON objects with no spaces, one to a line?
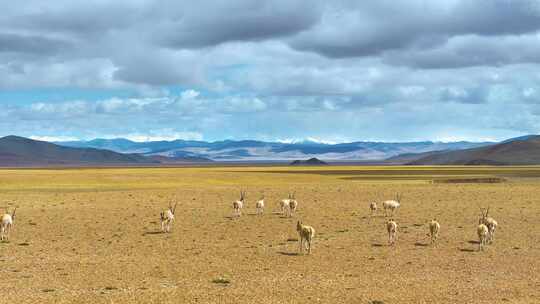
{"x":54,"y":138}
{"x":529,"y":92}
{"x":189,"y":94}
{"x":159,"y":135}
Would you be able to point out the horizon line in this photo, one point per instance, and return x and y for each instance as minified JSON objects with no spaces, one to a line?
{"x":60,"y":139}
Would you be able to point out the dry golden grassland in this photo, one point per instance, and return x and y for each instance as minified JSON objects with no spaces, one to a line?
{"x":92,"y":236}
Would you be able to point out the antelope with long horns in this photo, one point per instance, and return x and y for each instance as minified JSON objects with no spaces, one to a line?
{"x":293,"y":204}
{"x":239,"y":204}
{"x":490,"y":223}
{"x":284,"y":203}
{"x":167,"y":218}
{"x":392,"y":205}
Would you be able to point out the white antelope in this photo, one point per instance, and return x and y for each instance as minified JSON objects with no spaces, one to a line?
{"x":434,"y":228}
{"x":6,"y":224}
{"x":306,"y":235}
{"x":373,"y":207}
{"x":393,"y":205}
{"x":483,"y":235}
{"x":284,"y":203}
{"x":490,"y":223}
{"x":391,"y":227}
{"x":293,"y":205}
{"x":259,"y":206}
{"x":167,"y":218}
{"x":239,"y":204}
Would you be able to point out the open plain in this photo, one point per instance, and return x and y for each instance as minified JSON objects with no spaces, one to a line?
{"x":93,"y":236}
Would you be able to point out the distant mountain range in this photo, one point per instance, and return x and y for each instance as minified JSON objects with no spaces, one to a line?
{"x":252,"y":150}
{"x":18,"y":151}
{"x":523,"y":150}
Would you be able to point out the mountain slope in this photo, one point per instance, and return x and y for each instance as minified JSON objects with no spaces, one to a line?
{"x":410,"y":157}
{"x":16,"y":150}
{"x":516,"y":152}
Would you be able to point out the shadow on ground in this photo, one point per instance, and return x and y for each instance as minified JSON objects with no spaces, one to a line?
{"x":289,"y":253}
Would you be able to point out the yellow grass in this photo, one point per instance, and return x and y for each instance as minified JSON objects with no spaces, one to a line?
{"x":91,"y":236}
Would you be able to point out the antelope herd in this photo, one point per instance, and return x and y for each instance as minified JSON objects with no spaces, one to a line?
{"x":485,"y":230}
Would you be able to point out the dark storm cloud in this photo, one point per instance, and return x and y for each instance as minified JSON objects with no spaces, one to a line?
{"x":73,"y":17}
{"x":30,"y":44}
{"x":213,"y":23}
{"x":368,"y":28}
{"x":471,"y":50}
{"x":494,"y":17}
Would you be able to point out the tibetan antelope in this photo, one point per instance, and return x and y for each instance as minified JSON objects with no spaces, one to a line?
{"x":6,"y":224}
{"x":490,"y":223}
{"x":483,"y":235}
{"x":239,"y":204}
{"x":391,"y":227}
{"x":373,"y":207}
{"x":434,"y":228}
{"x":284,"y":203}
{"x":167,"y":218}
{"x":293,"y":205}
{"x":259,"y":206}
{"x":306,"y":235}
{"x":393,"y":205}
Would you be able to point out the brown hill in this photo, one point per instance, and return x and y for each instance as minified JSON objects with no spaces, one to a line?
{"x":310,"y":162}
{"x":20,"y":151}
{"x":515,"y":152}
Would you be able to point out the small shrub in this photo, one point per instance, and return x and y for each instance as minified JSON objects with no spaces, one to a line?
{"x":221,"y":280}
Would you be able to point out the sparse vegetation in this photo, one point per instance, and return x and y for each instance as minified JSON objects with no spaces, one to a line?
{"x":221,"y":280}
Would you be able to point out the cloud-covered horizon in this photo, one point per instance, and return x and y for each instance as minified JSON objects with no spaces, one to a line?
{"x":332,"y":70}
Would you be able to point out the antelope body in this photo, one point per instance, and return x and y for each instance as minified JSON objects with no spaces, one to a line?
{"x":483,"y":235}
{"x":167,"y":218}
{"x":239,"y":204}
{"x":490,"y":223}
{"x":285,"y":204}
{"x":391,"y":228}
{"x":6,"y":224}
{"x":306,"y":235}
{"x":293,"y":204}
{"x":373,"y":207}
{"x":259,"y":206}
{"x":434,"y":228}
{"x":392,"y":205}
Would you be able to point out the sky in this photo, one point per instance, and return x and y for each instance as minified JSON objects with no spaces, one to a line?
{"x":331,"y":71}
